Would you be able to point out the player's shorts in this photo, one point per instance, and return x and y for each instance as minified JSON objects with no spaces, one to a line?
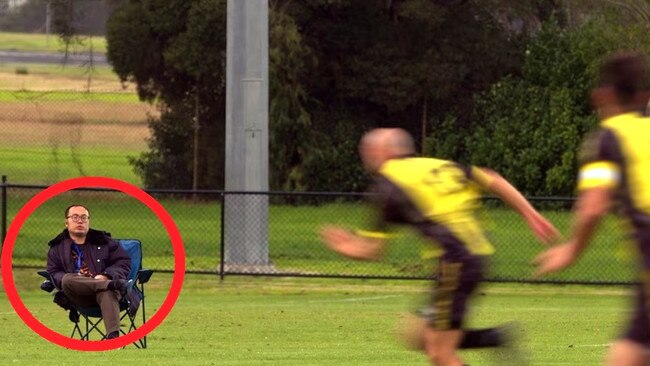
{"x":639,"y":326}
{"x":454,"y":286}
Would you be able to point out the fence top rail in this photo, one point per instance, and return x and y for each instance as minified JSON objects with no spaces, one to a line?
{"x":4,"y":184}
{"x":267,"y":193}
{"x":199,"y":191}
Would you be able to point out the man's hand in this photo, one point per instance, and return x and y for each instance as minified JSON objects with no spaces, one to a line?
{"x":556,"y":258}
{"x":351,"y":245}
{"x":542,"y":228}
{"x":101,"y":277}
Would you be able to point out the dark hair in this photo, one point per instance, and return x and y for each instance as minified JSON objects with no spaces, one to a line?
{"x":67,"y":210}
{"x":627,"y":73}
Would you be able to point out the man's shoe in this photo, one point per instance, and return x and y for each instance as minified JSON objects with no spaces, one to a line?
{"x":47,"y":285}
{"x":512,"y":352}
{"x":113,"y":335}
{"x":73,"y":315}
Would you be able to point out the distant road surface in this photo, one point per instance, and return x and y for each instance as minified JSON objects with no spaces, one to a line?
{"x":51,"y":58}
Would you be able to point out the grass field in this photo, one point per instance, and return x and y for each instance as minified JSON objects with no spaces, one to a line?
{"x":57,"y":123}
{"x":294,"y":244}
{"x":58,"y":130}
{"x":38,"y":42}
{"x":35,"y":76}
{"x":21,"y":96}
{"x":279,"y":321}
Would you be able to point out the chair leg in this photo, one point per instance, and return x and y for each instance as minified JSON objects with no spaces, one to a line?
{"x":76,"y":330}
{"x":143,"y":341}
{"x":90,"y":326}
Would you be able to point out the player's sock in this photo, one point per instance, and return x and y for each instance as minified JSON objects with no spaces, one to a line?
{"x":482,"y":338}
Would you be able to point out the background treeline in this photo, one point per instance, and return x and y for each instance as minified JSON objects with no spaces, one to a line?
{"x":503,"y":84}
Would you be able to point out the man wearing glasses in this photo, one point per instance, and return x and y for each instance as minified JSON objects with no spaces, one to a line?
{"x":89,"y":267}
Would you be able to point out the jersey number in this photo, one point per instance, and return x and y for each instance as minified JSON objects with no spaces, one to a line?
{"x":446,"y":179}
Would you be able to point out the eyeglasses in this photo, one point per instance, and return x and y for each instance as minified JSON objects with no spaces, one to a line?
{"x":77,"y":218}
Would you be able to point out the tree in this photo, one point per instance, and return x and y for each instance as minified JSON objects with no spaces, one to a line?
{"x":175,"y":53}
{"x":291,"y":136}
{"x":401,"y":63}
{"x":530,"y":127}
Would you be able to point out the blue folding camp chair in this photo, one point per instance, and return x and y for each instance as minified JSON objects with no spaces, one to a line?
{"x":128,"y":304}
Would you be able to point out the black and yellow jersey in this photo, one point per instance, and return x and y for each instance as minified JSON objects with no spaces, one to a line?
{"x":437,"y":197}
{"x":617,"y":156}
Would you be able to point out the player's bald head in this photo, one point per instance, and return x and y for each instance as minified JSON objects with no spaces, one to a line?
{"x":397,"y":140}
{"x":400,"y":142}
{"x":382,"y":144}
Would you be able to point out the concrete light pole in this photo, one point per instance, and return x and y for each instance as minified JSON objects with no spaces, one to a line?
{"x":247,"y":109}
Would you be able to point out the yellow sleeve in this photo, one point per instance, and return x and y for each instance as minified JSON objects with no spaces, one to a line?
{"x":373,"y":234}
{"x":599,"y":174}
{"x":481,"y":176}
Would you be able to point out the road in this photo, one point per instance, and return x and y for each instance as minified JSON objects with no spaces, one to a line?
{"x":51,"y":58}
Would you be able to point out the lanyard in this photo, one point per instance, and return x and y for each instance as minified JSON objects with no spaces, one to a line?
{"x":79,"y":252}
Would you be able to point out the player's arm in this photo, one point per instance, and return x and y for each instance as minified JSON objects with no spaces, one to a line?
{"x":495,"y":183}
{"x":595,"y":183}
{"x":363,"y":246}
{"x":590,"y":208}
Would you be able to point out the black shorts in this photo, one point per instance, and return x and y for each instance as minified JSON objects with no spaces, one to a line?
{"x":639,"y":326}
{"x":456,"y":282}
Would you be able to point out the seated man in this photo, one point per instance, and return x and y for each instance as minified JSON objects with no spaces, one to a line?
{"x":89,"y":267}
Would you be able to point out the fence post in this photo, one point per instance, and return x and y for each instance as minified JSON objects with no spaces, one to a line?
{"x":4,"y":211}
{"x":222,"y":259}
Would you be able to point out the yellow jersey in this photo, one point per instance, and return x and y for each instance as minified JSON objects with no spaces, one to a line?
{"x":437,"y":197}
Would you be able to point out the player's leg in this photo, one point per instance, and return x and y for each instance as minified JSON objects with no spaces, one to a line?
{"x":632,"y":348}
{"x":485,"y":338}
{"x":627,"y":353}
{"x":456,"y":281}
{"x":412,"y":329}
{"x":440,"y":346}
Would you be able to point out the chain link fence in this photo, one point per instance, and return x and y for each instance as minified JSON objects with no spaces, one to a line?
{"x":53,"y":135}
{"x":277,"y":233}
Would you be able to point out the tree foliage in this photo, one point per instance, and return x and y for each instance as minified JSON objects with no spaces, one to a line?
{"x":175,"y":53}
{"x":530,"y":128}
{"x":503,"y":84}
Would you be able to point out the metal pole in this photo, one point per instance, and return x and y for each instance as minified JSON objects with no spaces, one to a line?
{"x":4,"y":210}
{"x":48,"y":22}
{"x":222,"y":260}
{"x":247,"y":109}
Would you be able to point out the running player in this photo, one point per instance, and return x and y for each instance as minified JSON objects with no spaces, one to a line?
{"x":616,"y":167}
{"x":438,"y":198}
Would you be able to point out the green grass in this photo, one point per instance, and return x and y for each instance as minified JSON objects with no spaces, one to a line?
{"x":43,"y":166}
{"x":294,"y":244}
{"x":69,"y":71}
{"x":8,"y":96}
{"x":260,"y":321}
{"x":37,"y":42}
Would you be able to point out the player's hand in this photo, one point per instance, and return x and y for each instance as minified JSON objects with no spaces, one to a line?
{"x":556,"y":259}
{"x":542,"y":228}
{"x":349,"y":244}
{"x":335,"y":235}
{"x":336,"y":238}
{"x":101,"y":277}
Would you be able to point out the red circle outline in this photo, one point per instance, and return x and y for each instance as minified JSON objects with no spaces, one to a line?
{"x":103,"y":182}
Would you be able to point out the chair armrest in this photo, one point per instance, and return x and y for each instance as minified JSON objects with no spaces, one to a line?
{"x":144,"y":275}
{"x":47,"y":285}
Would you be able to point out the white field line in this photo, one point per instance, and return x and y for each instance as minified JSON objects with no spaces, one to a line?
{"x":557,"y":310}
{"x":334,"y":301}
{"x":587,"y":345}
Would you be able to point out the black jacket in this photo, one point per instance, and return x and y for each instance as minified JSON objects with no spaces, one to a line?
{"x":102,"y":255}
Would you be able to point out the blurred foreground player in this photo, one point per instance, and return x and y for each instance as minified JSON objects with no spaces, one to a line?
{"x":615,"y":167}
{"x":438,"y":198}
